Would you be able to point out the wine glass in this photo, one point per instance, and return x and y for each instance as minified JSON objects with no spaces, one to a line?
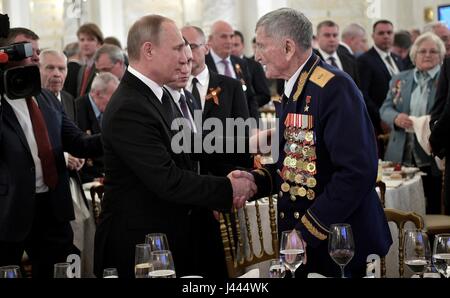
{"x":416,"y":251}
{"x":277,"y":269}
{"x":61,"y":270}
{"x":292,"y":250}
{"x":441,"y":254}
{"x":10,"y":272}
{"x":157,"y":241}
{"x":341,"y":246}
{"x":110,"y":273}
{"x":142,"y":263}
{"x":163,"y":266}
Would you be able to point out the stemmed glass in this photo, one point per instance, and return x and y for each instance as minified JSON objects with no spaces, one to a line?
{"x":157,"y":241}
{"x":416,"y":251}
{"x":292,"y":250}
{"x":110,"y":273}
{"x":162,"y":264}
{"x":10,"y":272}
{"x":142,"y":262}
{"x":341,"y":246}
{"x":441,"y":254}
{"x":61,"y":270}
{"x":277,"y":269}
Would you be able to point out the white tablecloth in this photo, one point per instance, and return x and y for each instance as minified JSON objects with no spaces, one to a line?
{"x":409,"y":197}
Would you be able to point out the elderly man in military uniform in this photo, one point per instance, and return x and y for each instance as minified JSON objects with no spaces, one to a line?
{"x":327,"y":167}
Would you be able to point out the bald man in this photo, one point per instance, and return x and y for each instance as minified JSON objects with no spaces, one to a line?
{"x":220,"y":60}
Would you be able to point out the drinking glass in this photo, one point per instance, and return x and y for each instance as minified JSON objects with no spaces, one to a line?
{"x":10,"y":272}
{"x":61,"y":270}
{"x":341,"y":246}
{"x":157,"y":241}
{"x":110,"y":273}
{"x":441,"y":254}
{"x":292,"y":250}
{"x":163,"y":266}
{"x":142,"y":263}
{"x":417,"y":251}
{"x":277,"y":269}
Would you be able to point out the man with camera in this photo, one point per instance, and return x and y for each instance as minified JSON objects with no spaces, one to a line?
{"x":35,"y":202}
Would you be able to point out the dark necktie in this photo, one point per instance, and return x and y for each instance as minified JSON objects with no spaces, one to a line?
{"x":99,"y":119}
{"x":333,"y":61}
{"x":185,"y":109}
{"x":227,"y":68}
{"x":195,"y":93}
{"x":167,"y":106}
{"x":45,"y":151}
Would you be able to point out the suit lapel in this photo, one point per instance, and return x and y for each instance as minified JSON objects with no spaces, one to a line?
{"x":213,"y":84}
{"x":210,"y":62}
{"x":406,"y":92}
{"x":148,"y":93}
{"x":92,"y":118}
{"x":380,"y":62}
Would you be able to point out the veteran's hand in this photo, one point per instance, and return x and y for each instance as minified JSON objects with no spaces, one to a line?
{"x":244,"y":187}
{"x":75,"y":163}
{"x":402,"y":120}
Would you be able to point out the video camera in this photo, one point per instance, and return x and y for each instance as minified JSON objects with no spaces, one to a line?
{"x":22,"y":81}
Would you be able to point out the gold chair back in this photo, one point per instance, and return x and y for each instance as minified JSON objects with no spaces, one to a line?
{"x":97,"y":191}
{"x":382,"y":187}
{"x":400,"y":218}
{"x":236,"y":256}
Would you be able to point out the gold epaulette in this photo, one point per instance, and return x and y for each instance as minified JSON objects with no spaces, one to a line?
{"x":321,"y":76}
{"x":312,"y":229}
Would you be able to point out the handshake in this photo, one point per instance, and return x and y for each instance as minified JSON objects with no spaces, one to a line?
{"x":244,"y":187}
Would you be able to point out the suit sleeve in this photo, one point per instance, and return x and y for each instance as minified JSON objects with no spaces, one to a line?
{"x":441,"y":93}
{"x":388,"y":111}
{"x":137,"y":138}
{"x":439,"y":140}
{"x":366,"y":80}
{"x":260,"y":84}
{"x":350,"y":145}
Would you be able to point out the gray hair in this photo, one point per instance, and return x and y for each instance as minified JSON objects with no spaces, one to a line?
{"x":45,"y":53}
{"x":353,"y":30}
{"x":427,"y":36}
{"x":102,"y":80}
{"x":290,"y":23}
{"x":430,"y":27}
{"x":114,"y":53}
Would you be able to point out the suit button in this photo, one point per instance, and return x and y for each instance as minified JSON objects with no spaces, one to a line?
{"x":297,"y":215}
{"x":281,"y":215}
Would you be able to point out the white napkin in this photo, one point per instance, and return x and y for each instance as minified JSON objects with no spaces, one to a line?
{"x":422,"y":130}
{"x":254,"y":273}
{"x":315,"y":275}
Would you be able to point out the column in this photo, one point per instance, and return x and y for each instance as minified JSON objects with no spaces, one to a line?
{"x":227,"y":10}
{"x":111,"y":19}
{"x":18,"y":12}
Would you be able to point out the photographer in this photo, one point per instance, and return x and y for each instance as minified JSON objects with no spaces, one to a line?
{"x":35,"y":202}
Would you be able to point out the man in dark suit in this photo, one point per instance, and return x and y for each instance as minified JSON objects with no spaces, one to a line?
{"x":231,"y":104}
{"x":35,"y":202}
{"x":328,"y":41}
{"x":440,"y":126}
{"x":322,"y":112}
{"x":220,"y":60}
{"x":259,"y":80}
{"x":376,"y":68}
{"x":148,"y":187}
{"x":90,"y":38}
{"x":90,"y":109}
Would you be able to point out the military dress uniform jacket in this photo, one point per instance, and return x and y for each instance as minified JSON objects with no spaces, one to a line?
{"x":327,"y":169}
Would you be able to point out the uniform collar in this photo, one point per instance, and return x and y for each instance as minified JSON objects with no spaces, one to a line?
{"x":289,"y":84}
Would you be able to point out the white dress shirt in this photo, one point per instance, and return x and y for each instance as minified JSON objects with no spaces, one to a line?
{"x":202,"y":85}
{"x":326,"y":58}
{"x":157,"y":90}
{"x":221,"y":66}
{"x":20,"y":108}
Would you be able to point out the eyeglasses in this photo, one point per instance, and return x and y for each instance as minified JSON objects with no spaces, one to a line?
{"x":424,"y":52}
{"x":195,"y":46}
